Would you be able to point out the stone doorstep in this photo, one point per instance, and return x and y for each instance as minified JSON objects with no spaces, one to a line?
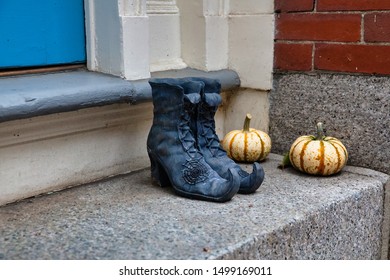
{"x":292,"y":216}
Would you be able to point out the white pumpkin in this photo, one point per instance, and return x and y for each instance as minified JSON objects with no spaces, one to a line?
{"x":318,"y":155}
{"x":248,"y":144}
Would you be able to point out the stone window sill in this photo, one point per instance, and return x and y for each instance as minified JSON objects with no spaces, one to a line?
{"x":36,"y":95}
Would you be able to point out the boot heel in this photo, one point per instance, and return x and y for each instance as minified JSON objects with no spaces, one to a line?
{"x":158,"y":172}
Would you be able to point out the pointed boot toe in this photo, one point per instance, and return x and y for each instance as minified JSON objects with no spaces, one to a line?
{"x":250,"y":182}
{"x":224,"y":191}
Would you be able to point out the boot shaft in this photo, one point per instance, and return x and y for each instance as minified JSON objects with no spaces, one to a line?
{"x":175,"y":103}
{"x":205,"y":121}
{"x":173,"y":99}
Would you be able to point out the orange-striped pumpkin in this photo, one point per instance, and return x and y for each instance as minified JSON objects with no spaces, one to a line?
{"x":248,"y":144}
{"x":318,"y":155}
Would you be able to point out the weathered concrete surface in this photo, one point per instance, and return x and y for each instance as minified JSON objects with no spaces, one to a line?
{"x":355,"y":109}
{"x":292,"y":216}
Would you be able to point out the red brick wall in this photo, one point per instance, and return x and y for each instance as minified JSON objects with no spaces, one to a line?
{"x":350,"y":36}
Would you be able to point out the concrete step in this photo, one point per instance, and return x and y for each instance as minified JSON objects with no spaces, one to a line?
{"x":292,"y":216}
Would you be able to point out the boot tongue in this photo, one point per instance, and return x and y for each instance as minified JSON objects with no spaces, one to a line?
{"x":193,"y":98}
{"x":213,"y":99}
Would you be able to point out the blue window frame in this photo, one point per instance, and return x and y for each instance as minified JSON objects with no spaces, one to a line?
{"x":41,"y":32}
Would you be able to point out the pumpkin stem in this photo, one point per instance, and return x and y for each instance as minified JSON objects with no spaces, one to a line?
{"x":247,"y":122}
{"x":320,"y":131}
{"x":285,"y":161}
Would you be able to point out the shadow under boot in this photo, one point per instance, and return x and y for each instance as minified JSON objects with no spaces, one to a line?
{"x":175,"y":158}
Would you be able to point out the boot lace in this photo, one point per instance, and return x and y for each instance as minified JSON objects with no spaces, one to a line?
{"x":208,"y":130}
{"x":185,"y":134}
{"x":194,"y":170}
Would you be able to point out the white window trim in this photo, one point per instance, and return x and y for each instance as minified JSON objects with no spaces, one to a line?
{"x":214,"y":35}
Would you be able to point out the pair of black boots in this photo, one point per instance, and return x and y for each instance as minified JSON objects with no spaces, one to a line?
{"x":183,"y":147}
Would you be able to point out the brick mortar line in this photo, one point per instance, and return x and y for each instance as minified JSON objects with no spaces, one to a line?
{"x":314,"y":12}
{"x":362,"y":29}
{"x":331,"y":72}
{"x":358,"y":43}
{"x":313,"y":53}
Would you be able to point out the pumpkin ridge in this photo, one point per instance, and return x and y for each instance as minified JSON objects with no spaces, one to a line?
{"x":231,"y":144}
{"x":343,"y":148}
{"x":321,"y":167}
{"x":338,"y":156}
{"x":293,"y":149}
{"x":245,"y":146}
{"x":336,"y":141}
{"x":302,"y":154}
{"x":262,"y":145}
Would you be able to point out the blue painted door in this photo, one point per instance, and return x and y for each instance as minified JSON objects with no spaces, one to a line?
{"x":41,"y":32}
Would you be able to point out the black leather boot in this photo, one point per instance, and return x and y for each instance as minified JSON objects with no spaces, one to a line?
{"x":175,"y":158}
{"x":209,"y":144}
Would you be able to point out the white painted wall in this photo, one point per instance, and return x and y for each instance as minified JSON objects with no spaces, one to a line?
{"x":204,"y":32}
{"x":234,"y":34}
{"x":164,"y":34}
{"x":245,"y":7}
{"x":251,"y":43}
{"x":53,"y":152}
{"x":242,"y":102}
{"x":117,"y":37}
{"x":131,"y":38}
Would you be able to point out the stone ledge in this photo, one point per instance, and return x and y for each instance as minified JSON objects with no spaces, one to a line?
{"x":41,"y":94}
{"x":292,"y":216}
